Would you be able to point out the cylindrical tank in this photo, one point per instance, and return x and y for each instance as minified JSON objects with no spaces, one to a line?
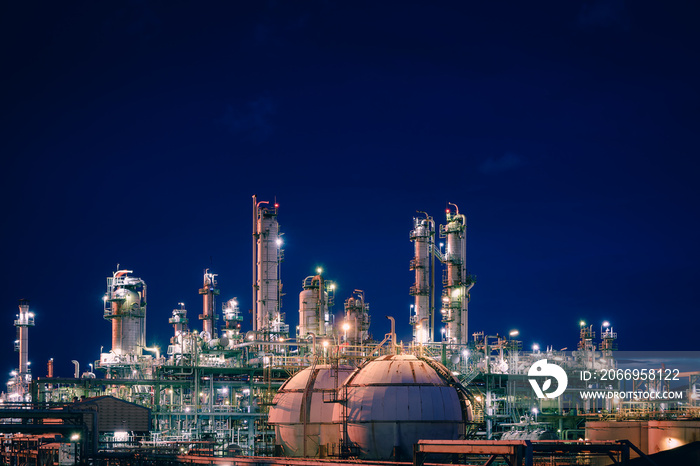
{"x":308,"y":304}
{"x":422,"y":236}
{"x":126,"y":329}
{"x":650,"y":436}
{"x":456,"y":282}
{"x":666,"y":435}
{"x":636,"y":432}
{"x":394,"y":401}
{"x":356,"y":331}
{"x":209,"y":291}
{"x":313,"y":307}
{"x":302,"y":410}
{"x":267,"y":269}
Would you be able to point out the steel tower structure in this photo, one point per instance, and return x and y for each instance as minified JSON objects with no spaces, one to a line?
{"x":125,"y":306}
{"x":456,"y":283}
{"x":25,"y":319}
{"x":423,"y":289}
{"x":267,"y":255}
{"x":315,"y":302}
{"x":356,"y":325}
{"x":209,"y":292}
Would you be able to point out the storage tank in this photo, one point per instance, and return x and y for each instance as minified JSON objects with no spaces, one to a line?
{"x":125,"y":306}
{"x":666,"y":435}
{"x":636,"y":432}
{"x":356,"y":324}
{"x":395,"y":400}
{"x":303,"y":409}
{"x":315,"y":302}
{"x":126,"y":332}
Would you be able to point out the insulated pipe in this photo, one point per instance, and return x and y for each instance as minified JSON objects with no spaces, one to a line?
{"x":393,"y":331}
{"x":313,"y":342}
{"x":321,"y":306}
{"x":258,"y":342}
{"x":77,"y":368}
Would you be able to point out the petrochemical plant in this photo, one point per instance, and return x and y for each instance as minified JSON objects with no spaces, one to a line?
{"x":328,"y":389}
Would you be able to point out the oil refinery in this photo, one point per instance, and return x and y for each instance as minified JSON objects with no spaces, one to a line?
{"x":329,"y":389}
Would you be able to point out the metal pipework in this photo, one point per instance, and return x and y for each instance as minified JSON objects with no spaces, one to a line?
{"x":313,"y":342}
{"x":393,"y":333}
{"x":155,"y":350}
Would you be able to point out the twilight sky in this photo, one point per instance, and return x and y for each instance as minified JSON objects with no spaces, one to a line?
{"x":135,"y":133}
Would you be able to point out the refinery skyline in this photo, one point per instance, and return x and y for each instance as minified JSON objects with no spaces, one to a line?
{"x":352,"y":266}
{"x":136,"y":137}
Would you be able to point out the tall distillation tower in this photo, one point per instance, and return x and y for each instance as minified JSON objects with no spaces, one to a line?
{"x":209,"y":291}
{"x":456,"y":283}
{"x":268,"y":321}
{"x":18,"y":385}
{"x":125,"y":306}
{"x":423,"y":290}
{"x":356,"y":325}
{"x":315,"y":302}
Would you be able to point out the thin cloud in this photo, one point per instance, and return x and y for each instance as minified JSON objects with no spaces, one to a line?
{"x":506,"y":162}
{"x":603,"y":14}
{"x":254,"y":121}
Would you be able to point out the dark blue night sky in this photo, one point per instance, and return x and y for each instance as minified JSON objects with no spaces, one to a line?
{"x":136,"y":133}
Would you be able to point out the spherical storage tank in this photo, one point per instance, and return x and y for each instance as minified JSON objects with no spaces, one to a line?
{"x":394,"y":401}
{"x":303,"y":409}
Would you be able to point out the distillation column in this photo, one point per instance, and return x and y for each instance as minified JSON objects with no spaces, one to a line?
{"x":456,"y":283}
{"x":315,"y":302}
{"x":125,"y":306}
{"x":179,"y":342}
{"x":25,"y":319}
{"x":422,"y":313}
{"x":356,"y":325}
{"x":232,"y":321}
{"x":209,"y":292}
{"x":267,"y":256}
{"x":18,"y":385}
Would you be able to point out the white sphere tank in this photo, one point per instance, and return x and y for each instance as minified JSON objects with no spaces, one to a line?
{"x":394,"y":401}
{"x":299,"y":412}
